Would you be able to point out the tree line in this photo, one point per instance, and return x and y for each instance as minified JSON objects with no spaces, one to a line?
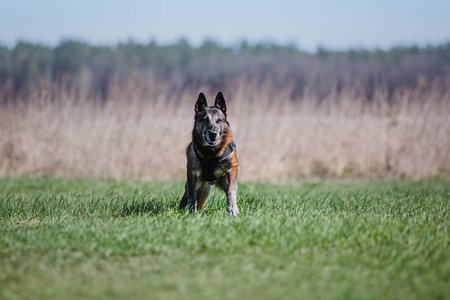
{"x":95,"y":72}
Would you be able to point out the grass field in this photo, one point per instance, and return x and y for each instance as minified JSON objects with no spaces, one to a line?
{"x":76,"y":238}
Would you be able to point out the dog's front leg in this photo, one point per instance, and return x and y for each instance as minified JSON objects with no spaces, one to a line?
{"x":192,"y":182}
{"x":231,"y":192}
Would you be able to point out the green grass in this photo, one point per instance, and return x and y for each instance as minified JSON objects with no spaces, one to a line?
{"x":75,"y":238}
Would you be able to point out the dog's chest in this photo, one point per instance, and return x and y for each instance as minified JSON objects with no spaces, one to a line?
{"x":210,"y":171}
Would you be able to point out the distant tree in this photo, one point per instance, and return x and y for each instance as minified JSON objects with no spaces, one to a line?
{"x":444,"y":52}
{"x":210,"y":50}
{"x":243,"y":46}
{"x":132,"y":56}
{"x":96,"y":72}
{"x":70,"y":57}
{"x":103,"y":58}
{"x":103,"y":63}
{"x":184,"y":50}
{"x":322,"y":53}
{"x":31,"y":64}
{"x":5,"y":64}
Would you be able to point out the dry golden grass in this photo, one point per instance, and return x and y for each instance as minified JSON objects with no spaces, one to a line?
{"x":137,"y":138}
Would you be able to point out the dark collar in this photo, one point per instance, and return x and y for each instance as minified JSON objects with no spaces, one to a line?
{"x":226,"y":154}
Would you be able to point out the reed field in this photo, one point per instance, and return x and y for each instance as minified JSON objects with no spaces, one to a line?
{"x":133,"y":138}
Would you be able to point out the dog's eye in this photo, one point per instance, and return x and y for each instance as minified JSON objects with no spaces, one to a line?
{"x":219,"y":120}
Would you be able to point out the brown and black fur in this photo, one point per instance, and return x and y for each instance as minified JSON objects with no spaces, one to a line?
{"x":211,"y":157}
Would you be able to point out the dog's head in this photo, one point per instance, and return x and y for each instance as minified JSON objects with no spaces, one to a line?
{"x":211,"y":125}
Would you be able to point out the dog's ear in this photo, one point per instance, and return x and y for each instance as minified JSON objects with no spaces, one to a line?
{"x":220,"y":103}
{"x":201,"y":103}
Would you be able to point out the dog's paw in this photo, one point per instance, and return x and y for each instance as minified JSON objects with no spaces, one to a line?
{"x":233,"y":211}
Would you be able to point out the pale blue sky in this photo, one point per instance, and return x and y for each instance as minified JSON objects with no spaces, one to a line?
{"x":332,"y":24}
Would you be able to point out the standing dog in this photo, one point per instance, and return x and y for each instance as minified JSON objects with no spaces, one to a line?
{"x":211,"y":156}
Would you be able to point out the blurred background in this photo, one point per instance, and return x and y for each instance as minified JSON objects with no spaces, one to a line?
{"x":315,"y":89}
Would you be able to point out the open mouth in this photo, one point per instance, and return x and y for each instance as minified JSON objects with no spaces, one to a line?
{"x":211,"y":141}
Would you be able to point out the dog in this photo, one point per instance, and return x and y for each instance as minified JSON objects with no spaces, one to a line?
{"x":211,"y":157}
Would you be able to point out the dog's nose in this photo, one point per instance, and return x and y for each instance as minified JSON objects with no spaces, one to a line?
{"x":213,"y":134}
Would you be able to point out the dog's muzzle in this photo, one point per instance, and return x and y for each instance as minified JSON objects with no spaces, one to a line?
{"x":211,"y":137}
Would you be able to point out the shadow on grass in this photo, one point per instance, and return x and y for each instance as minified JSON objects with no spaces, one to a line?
{"x":143,"y":207}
